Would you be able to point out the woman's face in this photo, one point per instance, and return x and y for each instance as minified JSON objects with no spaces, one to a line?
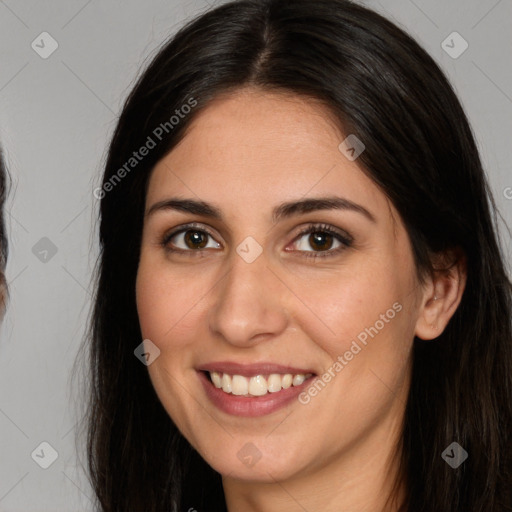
{"x":242,"y":293}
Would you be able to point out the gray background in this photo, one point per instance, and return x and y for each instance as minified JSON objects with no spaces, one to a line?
{"x":56,"y":118}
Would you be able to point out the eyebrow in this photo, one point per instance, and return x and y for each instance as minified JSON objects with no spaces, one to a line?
{"x":281,"y":211}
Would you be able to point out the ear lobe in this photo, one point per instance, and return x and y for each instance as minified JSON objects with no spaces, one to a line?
{"x":442,"y":297}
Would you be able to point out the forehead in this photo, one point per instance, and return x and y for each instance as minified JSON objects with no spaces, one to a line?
{"x":258,"y":147}
{"x":275,"y":121}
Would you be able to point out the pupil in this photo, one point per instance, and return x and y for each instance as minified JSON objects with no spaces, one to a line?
{"x":318,"y":240}
{"x":194,"y":237}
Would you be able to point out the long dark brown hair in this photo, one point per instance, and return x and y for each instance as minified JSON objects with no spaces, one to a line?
{"x":4,"y":246}
{"x":420,"y":150}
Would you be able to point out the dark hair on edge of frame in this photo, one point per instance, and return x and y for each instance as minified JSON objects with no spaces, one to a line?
{"x":384,"y":88}
{"x":4,"y":245}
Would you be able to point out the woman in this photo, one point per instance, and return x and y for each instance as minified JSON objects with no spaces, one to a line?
{"x":301,"y":301}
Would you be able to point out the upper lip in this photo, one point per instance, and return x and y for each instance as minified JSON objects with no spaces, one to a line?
{"x":250,"y":370}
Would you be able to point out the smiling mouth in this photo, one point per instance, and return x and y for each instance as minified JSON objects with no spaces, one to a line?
{"x":257,"y":385}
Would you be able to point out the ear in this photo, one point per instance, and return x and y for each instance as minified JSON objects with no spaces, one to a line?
{"x":442,"y":294}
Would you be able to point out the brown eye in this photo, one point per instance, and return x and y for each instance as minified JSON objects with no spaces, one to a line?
{"x":195,"y":239}
{"x":324,"y":241}
{"x":320,"y":240}
{"x":189,"y":239}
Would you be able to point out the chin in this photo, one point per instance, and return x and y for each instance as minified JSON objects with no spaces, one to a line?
{"x":251,"y":460}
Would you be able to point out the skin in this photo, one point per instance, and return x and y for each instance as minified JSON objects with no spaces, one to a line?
{"x":245,"y":153}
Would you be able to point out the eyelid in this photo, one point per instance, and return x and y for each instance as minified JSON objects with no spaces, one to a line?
{"x":314,"y":227}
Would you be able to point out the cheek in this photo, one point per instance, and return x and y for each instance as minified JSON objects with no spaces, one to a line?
{"x":156,"y":304}
{"x":367,"y":345}
{"x":150,"y":304}
{"x":167,"y":303}
{"x":163,"y":312}
{"x":351,"y":304}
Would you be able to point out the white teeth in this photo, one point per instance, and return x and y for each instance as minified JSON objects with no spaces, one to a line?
{"x":258,"y":385}
{"x":298,"y":380}
{"x":216,"y":379}
{"x":226,"y":383}
{"x":274,"y":382}
{"x":287,"y":381}
{"x":239,"y":385}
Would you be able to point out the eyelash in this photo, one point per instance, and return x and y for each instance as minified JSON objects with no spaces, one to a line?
{"x":345,"y":239}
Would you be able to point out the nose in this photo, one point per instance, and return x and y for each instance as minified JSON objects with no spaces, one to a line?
{"x":249,"y":303}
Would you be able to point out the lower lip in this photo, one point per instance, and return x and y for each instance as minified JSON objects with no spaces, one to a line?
{"x":251,"y":406}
